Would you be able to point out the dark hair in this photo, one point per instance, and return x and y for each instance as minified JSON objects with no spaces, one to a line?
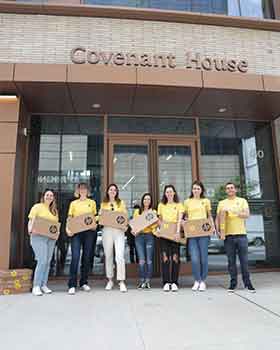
{"x":230,"y":183}
{"x":164,"y":198}
{"x":53,"y":206}
{"x":106,"y":198}
{"x":200,"y":184}
{"x":141,"y":209}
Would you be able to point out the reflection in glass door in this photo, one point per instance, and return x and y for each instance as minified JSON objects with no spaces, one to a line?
{"x":130,"y":171}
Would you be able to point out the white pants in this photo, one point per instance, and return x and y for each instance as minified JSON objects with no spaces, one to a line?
{"x":111,"y":238}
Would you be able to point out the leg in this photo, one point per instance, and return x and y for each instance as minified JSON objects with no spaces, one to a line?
{"x":175,"y":250}
{"x":119,"y":242}
{"x":150,"y":247}
{"x":140,"y":248}
{"x":50,"y":249}
{"x":243,"y":258}
{"x":231,"y":255}
{"x":165,"y":260}
{"x":203,"y":249}
{"x":108,"y":244}
{"x":39,"y":246}
{"x":76,"y":251}
{"x":87,"y":242}
{"x":195,"y":258}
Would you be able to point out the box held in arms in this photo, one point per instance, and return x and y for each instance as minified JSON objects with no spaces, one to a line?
{"x":15,"y":281}
{"x":113,"y":218}
{"x":46,"y":228}
{"x":143,"y":221}
{"x":198,"y":228}
{"x":80,"y":223}
{"x":168,"y":231}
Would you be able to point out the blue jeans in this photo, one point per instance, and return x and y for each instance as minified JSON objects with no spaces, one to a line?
{"x":85,"y":240}
{"x":43,"y":248}
{"x":198,"y":247}
{"x":237,"y":245}
{"x":145,"y":243}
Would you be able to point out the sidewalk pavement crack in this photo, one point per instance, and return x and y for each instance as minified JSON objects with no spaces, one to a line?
{"x":138,"y":328}
{"x":256,"y":304}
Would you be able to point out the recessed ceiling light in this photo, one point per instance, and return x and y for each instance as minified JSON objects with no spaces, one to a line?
{"x":222,"y":110}
{"x":96,"y":105}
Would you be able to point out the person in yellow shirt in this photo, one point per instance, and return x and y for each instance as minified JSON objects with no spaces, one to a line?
{"x":113,"y":237}
{"x":42,"y":246}
{"x":237,"y":211}
{"x":170,"y":210}
{"x":85,"y":239}
{"x":145,"y":244}
{"x":198,"y":207}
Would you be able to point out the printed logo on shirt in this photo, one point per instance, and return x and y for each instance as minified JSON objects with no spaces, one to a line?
{"x":53,"y":229}
{"x":120,"y":219}
{"x":206,"y":227}
{"x":149,"y":217}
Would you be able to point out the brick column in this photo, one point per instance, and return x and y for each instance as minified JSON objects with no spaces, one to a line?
{"x":9,"y":116}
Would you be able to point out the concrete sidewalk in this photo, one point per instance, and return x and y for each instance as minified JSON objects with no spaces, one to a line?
{"x":146,"y":320}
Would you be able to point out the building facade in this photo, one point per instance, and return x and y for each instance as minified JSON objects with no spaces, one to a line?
{"x":141,"y":93}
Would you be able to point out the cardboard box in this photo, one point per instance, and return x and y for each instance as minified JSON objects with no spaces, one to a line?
{"x":15,"y":281}
{"x":113,"y":218}
{"x":46,"y":228}
{"x":168,"y":231}
{"x":143,"y":221}
{"x":198,"y":228}
{"x":80,"y":223}
{"x":222,"y":220}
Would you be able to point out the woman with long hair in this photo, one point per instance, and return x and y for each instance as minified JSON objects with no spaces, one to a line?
{"x":42,"y":246}
{"x":170,"y":210}
{"x":85,"y":239}
{"x":114,"y":238}
{"x":145,"y":243}
{"x":198,"y":207}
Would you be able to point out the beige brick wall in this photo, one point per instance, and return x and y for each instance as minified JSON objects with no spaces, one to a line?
{"x":49,"y":39}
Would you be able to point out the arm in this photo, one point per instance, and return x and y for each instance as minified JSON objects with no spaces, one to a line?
{"x":244,"y":214}
{"x":30,"y":224}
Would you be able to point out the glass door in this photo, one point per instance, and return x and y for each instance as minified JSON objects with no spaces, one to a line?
{"x":142,"y":164}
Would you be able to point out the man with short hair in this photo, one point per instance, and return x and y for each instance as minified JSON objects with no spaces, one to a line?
{"x":236,"y":211}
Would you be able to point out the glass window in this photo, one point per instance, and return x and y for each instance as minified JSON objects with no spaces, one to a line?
{"x":64,"y":152}
{"x":242,"y":152}
{"x":152,"y":125}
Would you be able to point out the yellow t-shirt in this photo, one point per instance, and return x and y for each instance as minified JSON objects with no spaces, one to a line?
{"x":108,"y":206}
{"x":197,"y":208}
{"x":42,"y":210}
{"x":149,"y":229}
{"x":79,"y":207}
{"x":169,"y":212}
{"x":234,"y":224}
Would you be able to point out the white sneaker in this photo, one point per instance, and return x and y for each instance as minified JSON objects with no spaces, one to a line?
{"x":166,"y":287}
{"x":72,"y":291}
{"x":174,"y":287}
{"x":202,"y":286}
{"x":195,"y":286}
{"x":109,"y":285}
{"x":46,"y":290}
{"x":123,"y":288}
{"x":37,"y":291}
{"x":85,"y":288}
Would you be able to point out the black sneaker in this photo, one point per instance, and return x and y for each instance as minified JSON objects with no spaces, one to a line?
{"x":250,"y":288}
{"x":141,"y":285}
{"x":148,"y":285}
{"x":232,"y":287}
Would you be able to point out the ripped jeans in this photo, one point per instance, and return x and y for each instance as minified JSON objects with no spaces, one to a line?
{"x":145,"y":244}
{"x":170,"y":260}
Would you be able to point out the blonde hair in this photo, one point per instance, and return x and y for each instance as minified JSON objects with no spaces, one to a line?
{"x":79,"y":186}
{"x":53,"y":205}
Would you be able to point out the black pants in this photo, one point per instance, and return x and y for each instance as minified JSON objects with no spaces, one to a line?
{"x":170,"y":260}
{"x":85,"y":241}
{"x":237,"y":245}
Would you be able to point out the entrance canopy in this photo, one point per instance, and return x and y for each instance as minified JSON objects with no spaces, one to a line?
{"x":89,"y":89}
